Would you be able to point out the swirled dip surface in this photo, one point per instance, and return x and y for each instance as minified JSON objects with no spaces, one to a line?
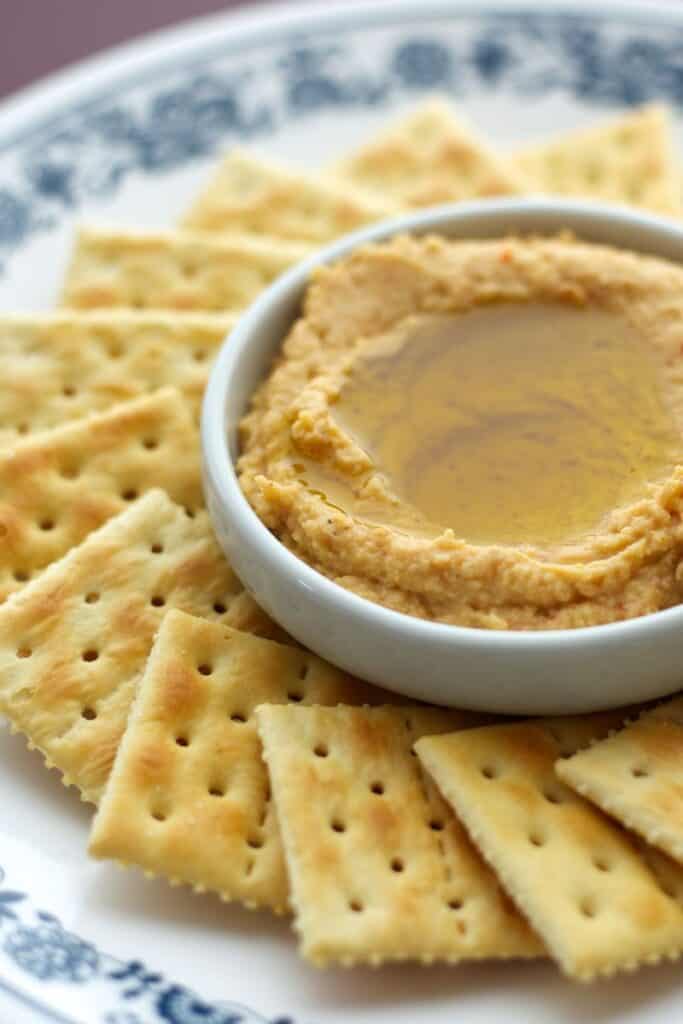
{"x":481,"y":433}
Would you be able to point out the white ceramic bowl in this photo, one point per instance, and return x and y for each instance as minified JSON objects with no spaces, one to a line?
{"x":553,"y":672}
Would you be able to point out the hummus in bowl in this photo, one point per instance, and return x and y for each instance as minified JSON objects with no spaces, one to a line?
{"x":482,"y":433}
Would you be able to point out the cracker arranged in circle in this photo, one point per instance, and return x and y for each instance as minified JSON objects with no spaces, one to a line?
{"x":629,"y":159}
{"x":636,"y":776}
{"x":174,"y":270}
{"x":589,"y":894}
{"x":431,"y":156}
{"x":250,"y":194}
{"x":58,"y":486}
{"x":379,"y":867}
{"x":61,"y":366}
{"x":74,"y":643}
{"x":189,"y":796}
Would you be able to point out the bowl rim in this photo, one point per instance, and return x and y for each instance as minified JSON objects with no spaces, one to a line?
{"x":219,"y":468}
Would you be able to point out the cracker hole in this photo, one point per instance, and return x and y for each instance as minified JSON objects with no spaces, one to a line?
{"x":536,"y":839}
{"x":489,"y":771}
{"x":92,"y":597}
{"x":90,"y":655}
{"x":321,"y":750}
{"x":219,"y":608}
{"x":667,"y":889}
{"x":295,"y":698}
{"x":436,"y":825}
{"x":189,"y":512}
{"x":182,"y":741}
{"x":158,"y":601}
{"x":255,"y":842}
{"x":205,"y":669}
{"x":130,"y":494}
{"x":377,"y":788}
{"x":337,"y":826}
{"x":89,"y":714}
{"x":587,"y":908}
{"x":47,"y":524}
{"x":552,"y":796}
{"x":601,"y":864}
{"x":455,"y":904}
{"x":68,"y":391}
{"x":355,"y":906}
{"x":69,"y":472}
{"x":159,"y":815}
{"x":20,"y":575}
{"x":238,"y":717}
{"x":216,"y":791}
{"x":397,"y":865}
{"x":157,"y":549}
{"x":639,"y":772}
{"x":199,"y":355}
{"x":303,"y":671}
{"x":115,"y":352}
{"x":22,"y":428}
{"x":24,"y":652}
{"x":150,"y":443}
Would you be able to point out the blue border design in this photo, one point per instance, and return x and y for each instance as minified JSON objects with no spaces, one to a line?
{"x":87,"y":150}
{"x":36,"y":943}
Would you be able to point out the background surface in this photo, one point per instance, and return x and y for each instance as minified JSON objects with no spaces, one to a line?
{"x":40,"y":36}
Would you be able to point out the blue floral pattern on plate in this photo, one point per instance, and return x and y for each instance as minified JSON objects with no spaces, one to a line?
{"x":36,"y":942}
{"x":87,"y":150}
{"x":83,"y":156}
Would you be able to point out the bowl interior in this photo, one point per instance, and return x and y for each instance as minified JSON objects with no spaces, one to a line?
{"x":259,"y":334}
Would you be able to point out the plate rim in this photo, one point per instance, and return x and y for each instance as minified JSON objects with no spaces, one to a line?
{"x":126,"y":58}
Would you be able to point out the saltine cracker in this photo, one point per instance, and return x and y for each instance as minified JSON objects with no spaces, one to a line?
{"x":379,"y":867}
{"x":570,"y":870}
{"x":74,"y":642}
{"x":189,"y":796}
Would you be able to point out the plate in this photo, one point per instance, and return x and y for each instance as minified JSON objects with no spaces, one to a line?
{"x":128,"y":139}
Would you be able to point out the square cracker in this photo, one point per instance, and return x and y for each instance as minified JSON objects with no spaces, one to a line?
{"x":248,"y":193}
{"x":594,"y":900}
{"x":431,"y":156}
{"x":378,"y":865}
{"x":174,"y":270}
{"x":59,"y":485}
{"x":637,"y":776}
{"x":74,"y":642}
{"x":60,"y":367}
{"x":629,"y":159}
{"x":190,"y":762}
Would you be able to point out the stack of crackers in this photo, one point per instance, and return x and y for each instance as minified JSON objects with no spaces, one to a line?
{"x":219,"y":753}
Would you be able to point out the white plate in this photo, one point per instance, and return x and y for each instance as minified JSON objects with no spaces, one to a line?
{"x":128,"y":139}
